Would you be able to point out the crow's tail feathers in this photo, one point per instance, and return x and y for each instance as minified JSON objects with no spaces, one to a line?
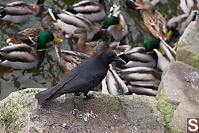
{"x":46,"y":96}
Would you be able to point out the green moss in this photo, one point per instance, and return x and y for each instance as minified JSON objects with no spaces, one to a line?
{"x":184,"y":55}
{"x":9,"y":116}
{"x":166,"y":107}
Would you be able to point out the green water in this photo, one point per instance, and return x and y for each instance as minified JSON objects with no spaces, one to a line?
{"x":48,"y":73}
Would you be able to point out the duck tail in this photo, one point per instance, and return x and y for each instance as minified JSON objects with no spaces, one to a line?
{"x":2,"y":58}
{"x":102,"y":2}
{"x":130,"y":4}
{"x":52,"y":14}
{"x":40,"y":2}
{"x":46,"y":96}
{"x":3,"y":12}
{"x":71,"y":10}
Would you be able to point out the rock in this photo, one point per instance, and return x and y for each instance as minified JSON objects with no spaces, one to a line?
{"x":178,"y":96}
{"x":188,"y":45}
{"x":20,"y":113}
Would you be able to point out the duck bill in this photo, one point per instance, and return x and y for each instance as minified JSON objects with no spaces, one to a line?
{"x":119,"y":60}
{"x":120,"y":25}
{"x":139,"y":6}
{"x":175,"y":46}
{"x":169,"y":34}
{"x":57,"y":39}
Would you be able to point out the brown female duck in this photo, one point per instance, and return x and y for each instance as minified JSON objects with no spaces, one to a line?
{"x":153,"y":20}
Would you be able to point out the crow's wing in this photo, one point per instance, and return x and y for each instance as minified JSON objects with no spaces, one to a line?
{"x":82,"y":83}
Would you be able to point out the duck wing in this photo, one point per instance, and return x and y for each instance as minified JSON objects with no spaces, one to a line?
{"x":18,"y":8}
{"x":18,"y":53}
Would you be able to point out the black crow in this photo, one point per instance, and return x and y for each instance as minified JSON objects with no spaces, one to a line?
{"x":81,"y":79}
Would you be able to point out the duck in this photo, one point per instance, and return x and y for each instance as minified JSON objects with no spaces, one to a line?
{"x":69,"y":59}
{"x":153,"y":20}
{"x":93,"y":11}
{"x":158,"y":57}
{"x":27,"y":36}
{"x":92,"y":48}
{"x":131,"y":3}
{"x":188,"y":5}
{"x":138,"y":57}
{"x":70,"y":22}
{"x":30,"y":35}
{"x":112,"y":84}
{"x":115,"y":24}
{"x":24,"y":56}
{"x":179,"y":23}
{"x":141,"y":80}
{"x":169,"y":56}
{"x":19,"y":11}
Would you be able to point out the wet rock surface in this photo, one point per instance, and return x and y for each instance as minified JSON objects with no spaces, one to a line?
{"x":70,"y":113}
{"x":178,"y":96}
{"x":188,"y":45}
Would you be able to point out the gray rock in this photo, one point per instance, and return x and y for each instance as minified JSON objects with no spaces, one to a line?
{"x":188,"y":46}
{"x":178,"y":96}
{"x":20,"y":113}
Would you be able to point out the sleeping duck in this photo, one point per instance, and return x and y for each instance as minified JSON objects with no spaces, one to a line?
{"x":24,"y":56}
{"x":93,"y":11}
{"x":141,"y":80}
{"x":19,"y":11}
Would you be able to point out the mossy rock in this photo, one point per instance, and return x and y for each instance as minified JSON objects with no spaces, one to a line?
{"x":69,"y":113}
{"x":188,"y":45}
{"x":178,"y":96}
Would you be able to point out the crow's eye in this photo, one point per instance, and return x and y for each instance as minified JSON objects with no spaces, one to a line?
{"x":111,"y":56}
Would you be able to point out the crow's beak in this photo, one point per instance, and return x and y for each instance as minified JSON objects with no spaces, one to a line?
{"x":118,"y":59}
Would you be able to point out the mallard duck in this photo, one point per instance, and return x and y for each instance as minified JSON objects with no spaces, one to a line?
{"x":69,"y":59}
{"x":179,"y":23}
{"x":28,"y":36}
{"x":70,"y":22}
{"x":188,"y":5}
{"x":153,"y":20}
{"x":169,"y":56}
{"x":19,"y":11}
{"x":112,"y":84}
{"x":141,"y":80}
{"x":138,"y":57}
{"x":115,"y":24}
{"x":93,"y":11}
{"x":23,"y":56}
